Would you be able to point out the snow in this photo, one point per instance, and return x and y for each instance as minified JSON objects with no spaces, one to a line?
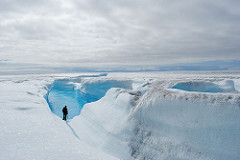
{"x":28,"y":128}
{"x":166,"y":115}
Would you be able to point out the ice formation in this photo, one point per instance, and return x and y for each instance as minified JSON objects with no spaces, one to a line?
{"x":136,"y":115}
{"x":159,"y":119}
{"x":75,"y":93}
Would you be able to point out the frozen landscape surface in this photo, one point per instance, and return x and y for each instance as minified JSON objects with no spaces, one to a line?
{"x":155,"y":115}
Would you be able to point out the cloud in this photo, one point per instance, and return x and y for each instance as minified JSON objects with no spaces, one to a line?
{"x":109,"y":34}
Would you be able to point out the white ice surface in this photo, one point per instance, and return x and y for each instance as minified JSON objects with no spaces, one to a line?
{"x":148,"y":120}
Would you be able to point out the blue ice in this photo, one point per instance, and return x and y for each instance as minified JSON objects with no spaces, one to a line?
{"x":59,"y":98}
{"x":65,"y":92}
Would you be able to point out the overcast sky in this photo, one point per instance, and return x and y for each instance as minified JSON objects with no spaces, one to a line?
{"x":117,"y":34}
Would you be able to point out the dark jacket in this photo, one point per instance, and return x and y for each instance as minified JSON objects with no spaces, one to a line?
{"x":65,"y":110}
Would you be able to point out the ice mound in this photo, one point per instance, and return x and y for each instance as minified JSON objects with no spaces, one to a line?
{"x":200,"y":86}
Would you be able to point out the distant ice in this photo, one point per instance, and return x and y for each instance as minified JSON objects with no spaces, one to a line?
{"x":202,"y":86}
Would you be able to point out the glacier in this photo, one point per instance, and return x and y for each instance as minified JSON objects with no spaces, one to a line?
{"x":152,"y":115}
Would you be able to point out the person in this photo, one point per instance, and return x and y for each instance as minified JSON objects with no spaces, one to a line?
{"x":65,"y":112}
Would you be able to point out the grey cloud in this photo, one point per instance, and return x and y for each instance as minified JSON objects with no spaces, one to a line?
{"x":119,"y":33}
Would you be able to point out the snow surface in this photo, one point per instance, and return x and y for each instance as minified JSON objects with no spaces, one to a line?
{"x":166,"y":115}
{"x":28,"y":128}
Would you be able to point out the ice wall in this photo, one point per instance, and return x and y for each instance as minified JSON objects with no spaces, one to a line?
{"x":182,"y":129}
{"x":94,"y":89}
{"x":65,"y":93}
{"x":187,"y":125}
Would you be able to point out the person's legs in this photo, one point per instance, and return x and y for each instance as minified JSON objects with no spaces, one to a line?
{"x":64,"y":116}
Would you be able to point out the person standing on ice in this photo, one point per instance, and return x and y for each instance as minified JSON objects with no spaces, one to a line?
{"x":65,"y":112}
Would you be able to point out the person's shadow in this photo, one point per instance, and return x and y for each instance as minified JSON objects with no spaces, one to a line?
{"x":74,"y":133}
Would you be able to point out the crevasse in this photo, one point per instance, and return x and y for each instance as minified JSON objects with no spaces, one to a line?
{"x":75,"y":93}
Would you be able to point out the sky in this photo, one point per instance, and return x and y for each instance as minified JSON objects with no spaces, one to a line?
{"x":119,"y":35}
